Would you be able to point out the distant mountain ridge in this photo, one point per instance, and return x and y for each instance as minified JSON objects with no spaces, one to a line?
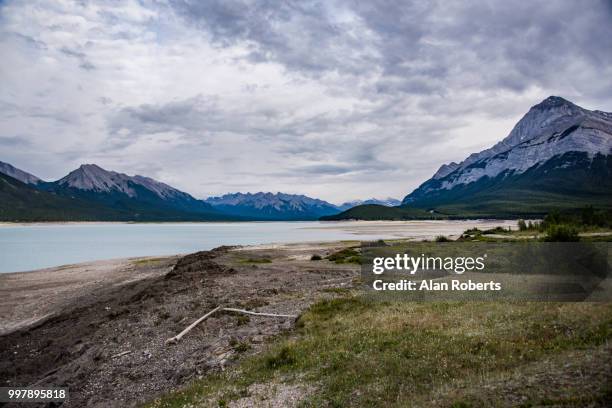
{"x":93,"y":193}
{"x":272,"y":206}
{"x":18,"y":174}
{"x":387,"y":202}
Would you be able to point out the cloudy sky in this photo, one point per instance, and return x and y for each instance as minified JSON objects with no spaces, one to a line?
{"x":334,"y":99}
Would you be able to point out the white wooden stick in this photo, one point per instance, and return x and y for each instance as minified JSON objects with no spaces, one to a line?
{"x":121,"y":354}
{"x":227,"y":309}
{"x":230,"y":309}
{"x":191,"y":326}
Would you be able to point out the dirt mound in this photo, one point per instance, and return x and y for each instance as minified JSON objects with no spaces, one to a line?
{"x":81,"y":347}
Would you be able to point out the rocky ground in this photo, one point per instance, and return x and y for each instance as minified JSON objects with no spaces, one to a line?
{"x":103,"y":333}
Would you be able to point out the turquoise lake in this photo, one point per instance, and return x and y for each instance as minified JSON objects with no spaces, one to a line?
{"x":35,"y":246}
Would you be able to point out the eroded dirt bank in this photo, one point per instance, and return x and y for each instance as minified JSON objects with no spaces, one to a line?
{"x":104,"y":337}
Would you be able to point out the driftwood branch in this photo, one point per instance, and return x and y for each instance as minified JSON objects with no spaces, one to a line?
{"x":191,"y":326}
{"x":230,"y":309}
{"x":121,"y":354}
{"x":226,"y":309}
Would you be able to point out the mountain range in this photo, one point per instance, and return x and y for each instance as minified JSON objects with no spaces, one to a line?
{"x":269,"y":206}
{"x":93,"y":193}
{"x":557,"y":157}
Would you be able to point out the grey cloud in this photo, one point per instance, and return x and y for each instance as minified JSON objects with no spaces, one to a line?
{"x":418,"y":47}
{"x":84,"y":63}
{"x":72,"y":53}
{"x":199,"y":115}
{"x":299,"y":34}
{"x":13,"y":141}
{"x":326,"y":169}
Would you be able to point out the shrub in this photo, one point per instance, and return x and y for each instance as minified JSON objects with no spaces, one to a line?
{"x":315,"y":257}
{"x":442,"y":238}
{"x":496,"y":230}
{"x":354,"y":259}
{"x":561,"y":233}
{"x":348,"y":255}
{"x":522,"y":225}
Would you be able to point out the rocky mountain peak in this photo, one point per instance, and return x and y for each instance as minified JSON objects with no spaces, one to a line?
{"x":553,"y":102}
{"x":91,"y":177}
{"x":554,"y":114}
{"x":551,"y":128}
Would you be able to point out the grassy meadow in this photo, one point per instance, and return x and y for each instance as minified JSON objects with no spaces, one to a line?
{"x":351,"y":351}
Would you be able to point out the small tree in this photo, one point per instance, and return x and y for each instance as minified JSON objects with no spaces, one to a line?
{"x":522,"y":226}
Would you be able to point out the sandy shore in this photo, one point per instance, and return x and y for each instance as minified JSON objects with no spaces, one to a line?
{"x":30,"y":297}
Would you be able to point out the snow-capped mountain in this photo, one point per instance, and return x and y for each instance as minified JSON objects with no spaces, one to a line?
{"x":387,"y":202}
{"x":269,"y":206}
{"x":554,"y":131}
{"x":20,"y":175}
